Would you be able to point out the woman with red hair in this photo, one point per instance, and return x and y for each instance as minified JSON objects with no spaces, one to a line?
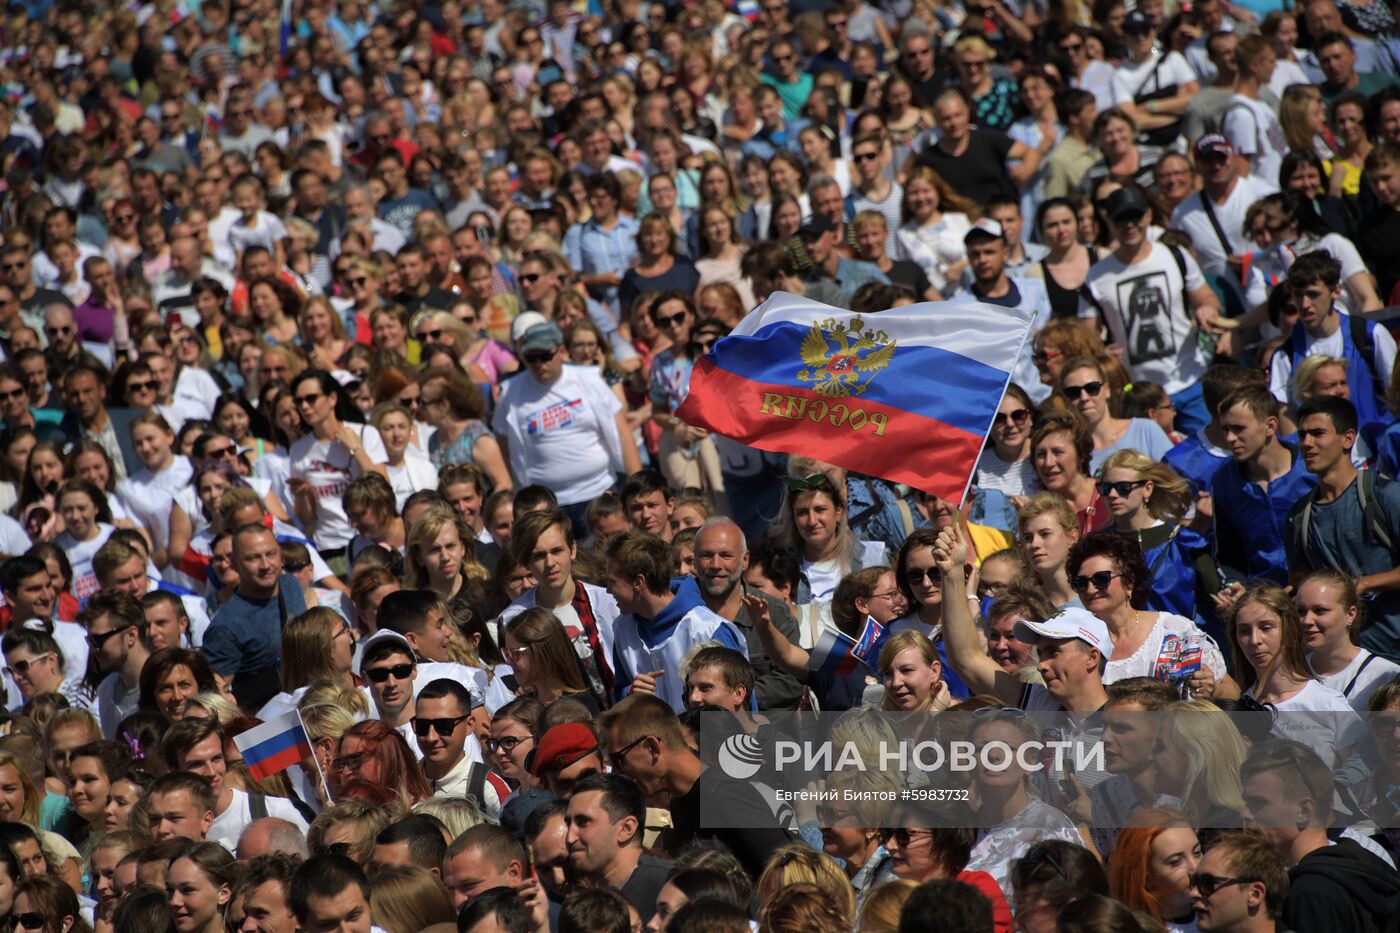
{"x":1153,"y":859}
{"x":377,"y":753}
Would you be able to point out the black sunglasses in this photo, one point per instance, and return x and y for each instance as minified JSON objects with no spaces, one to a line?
{"x":537,"y":358}
{"x":1209,"y":884}
{"x":529,"y":278}
{"x":671,"y":319}
{"x":1018,"y":416}
{"x":1080,"y":582}
{"x":380,"y":674}
{"x":1123,"y":487}
{"x":445,"y":726}
{"x":913,"y":576}
{"x":1090,"y":389}
{"x":101,"y":638}
{"x":617,"y":756}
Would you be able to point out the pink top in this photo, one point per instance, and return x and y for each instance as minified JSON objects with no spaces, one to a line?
{"x":492,"y":356}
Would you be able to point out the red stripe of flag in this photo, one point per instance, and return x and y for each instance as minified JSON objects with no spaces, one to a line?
{"x":279,"y":762}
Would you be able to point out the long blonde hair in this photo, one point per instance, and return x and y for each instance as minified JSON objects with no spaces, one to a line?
{"x":428,"y":526}
{"x":1214,"y":751}
{"x":307,"y":641}
{"x":1171,"y":495}
{"x":1293,"y":116}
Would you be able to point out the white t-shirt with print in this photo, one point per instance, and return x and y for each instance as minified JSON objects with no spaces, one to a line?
{"x":562,"y":435}
{"x":329,"y":468}
{"x":1146,"y":313}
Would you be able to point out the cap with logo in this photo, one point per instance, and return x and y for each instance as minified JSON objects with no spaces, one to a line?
{"x":986,"y":228}
{"x":1214,"y":144}
{"x":1068,"y":623}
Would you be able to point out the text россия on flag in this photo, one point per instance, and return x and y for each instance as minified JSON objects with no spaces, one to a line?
{"x":906,"y":394}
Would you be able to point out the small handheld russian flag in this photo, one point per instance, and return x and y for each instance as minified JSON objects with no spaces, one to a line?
{"x":838,"y":654}
{"x":274,"y":746}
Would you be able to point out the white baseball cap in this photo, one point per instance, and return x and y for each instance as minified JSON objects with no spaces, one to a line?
{"x":1068,"y":623}
{"x":987,"y":227}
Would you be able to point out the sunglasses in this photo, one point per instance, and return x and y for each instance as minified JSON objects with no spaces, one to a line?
{"x":617,"y":757}
{"x":866,"y":156}
{"x":903,"y":835}
{"x":29,"y":921}
{"x":22,"y":667}
{"x":17,"y":393}
{"x":1123,"y":487}
{"x":429,"y":336}
{"x":445,"y":726}
{"x":1090,"y":389}
{"x":228,"y":451}
{"x":1209,"y":884}
{"x":671,"y":320}
{"x":537,"y":358}
{"x":1079,"y":582}
{"x":529,"y":278}
{"x":359,"y":280}
{"x":307,"y":399}
{"x":348,"y":762}
{"x":100,"y":639}
{"x":1018,"y":416}
{"x":914,"y":576}
{"x":507,"y":744}
{"x":380,"y":674}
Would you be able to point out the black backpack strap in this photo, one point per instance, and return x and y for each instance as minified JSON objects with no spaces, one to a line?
{"x":257,"y":805}
{"x":476,"y":784}
{"x":1214,"y":223}
{"x":1346,"y":691}
{"x":1181,"y":267}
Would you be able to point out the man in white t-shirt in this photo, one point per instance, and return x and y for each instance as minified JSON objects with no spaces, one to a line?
{"x":325,"y":460}
{"x":562,"y":425}
{"x":197,"y":746}
{"x":1315,"y":280}
{"x":1155,"y":303}
{"x":1250,"y":124}
{"x":1214,"y":215}
{"x":117,"y":641}
{"x":1154,"y":86}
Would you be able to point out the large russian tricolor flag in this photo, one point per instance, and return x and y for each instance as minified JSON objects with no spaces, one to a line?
{"x":274,"y":746}
{"x":906,"y":394}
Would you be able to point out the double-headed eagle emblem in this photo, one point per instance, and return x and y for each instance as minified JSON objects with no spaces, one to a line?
{"x":841,"y":359}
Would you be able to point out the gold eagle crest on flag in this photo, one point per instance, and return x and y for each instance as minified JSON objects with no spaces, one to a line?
{"x":841,"y":359}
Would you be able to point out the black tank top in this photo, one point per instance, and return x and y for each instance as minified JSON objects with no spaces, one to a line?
{"x":1064,"y":302}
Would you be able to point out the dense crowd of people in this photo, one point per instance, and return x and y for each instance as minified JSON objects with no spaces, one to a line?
{"x":343,"y":354}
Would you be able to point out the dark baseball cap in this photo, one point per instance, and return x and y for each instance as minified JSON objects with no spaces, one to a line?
{"x":1125,"y":203}
{"x":815,"y":227}
{"x":1213,"y":144}
{"x":1137,"y":21}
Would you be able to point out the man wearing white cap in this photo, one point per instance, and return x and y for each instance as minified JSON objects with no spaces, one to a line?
{"x":1073,"y":646}
{"x":987,"y":254}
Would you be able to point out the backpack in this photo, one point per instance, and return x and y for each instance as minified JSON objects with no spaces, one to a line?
{"x":1373,"y":517}
{"x":1362,"y":337}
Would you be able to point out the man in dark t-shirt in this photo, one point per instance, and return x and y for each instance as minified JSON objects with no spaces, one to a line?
{"x":972,"y":160}
{"x":1378,"y":235}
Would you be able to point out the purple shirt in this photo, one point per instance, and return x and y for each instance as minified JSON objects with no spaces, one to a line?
{"x":94,"y":322}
